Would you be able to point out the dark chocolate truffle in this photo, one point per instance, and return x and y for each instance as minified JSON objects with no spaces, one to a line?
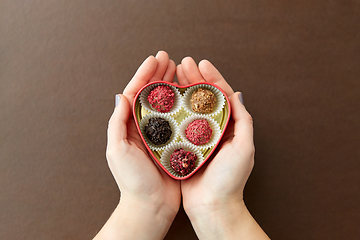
{"x":202,"y":101}
{"x":158,"y":130}
{"x":162,"y":98}
{"x":198,"y":132}
{"x":183,"y":162}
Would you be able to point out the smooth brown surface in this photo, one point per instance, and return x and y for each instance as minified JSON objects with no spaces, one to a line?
{"x":62,"y":62}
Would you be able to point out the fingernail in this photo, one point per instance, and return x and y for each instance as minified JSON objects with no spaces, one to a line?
{"x":117,"y":99}
{"x":241,"y":98}
{"x":157,"y":54}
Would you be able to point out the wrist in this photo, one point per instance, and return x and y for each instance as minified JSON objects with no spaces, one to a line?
{"x":225,"y":219}
{"x":137,"y":219}
{"x":148,"y":208}
{"x":218,"y":218}
{"x":142,"y":219}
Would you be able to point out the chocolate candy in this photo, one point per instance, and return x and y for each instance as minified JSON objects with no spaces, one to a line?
{"x":202,"y":101}
{"x":183,"y":162}
{"x":158,"y":130}
{"x":198,"y":132}
{"x":162,"y":98}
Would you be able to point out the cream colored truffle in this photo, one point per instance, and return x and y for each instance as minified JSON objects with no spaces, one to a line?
{"x":202,"y":101}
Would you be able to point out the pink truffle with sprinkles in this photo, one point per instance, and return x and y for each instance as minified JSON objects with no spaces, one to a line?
{"x":198,"y":132}
{"x":162,"y":98}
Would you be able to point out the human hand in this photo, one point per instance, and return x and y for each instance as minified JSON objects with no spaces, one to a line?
{"x":149,"y":199}
{"x":213,"y":197}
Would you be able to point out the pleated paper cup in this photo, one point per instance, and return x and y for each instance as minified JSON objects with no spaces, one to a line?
{"x":165,"y":157}
{"x":216,"y":131}
{"x":173,"y":125}
{"x":220,"y":99}
{"x":145,"y":103}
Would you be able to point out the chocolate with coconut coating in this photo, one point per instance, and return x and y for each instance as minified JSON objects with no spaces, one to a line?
{"x":183,"y":162}
{"x":202,"y":101}
{"x":158,"y":130}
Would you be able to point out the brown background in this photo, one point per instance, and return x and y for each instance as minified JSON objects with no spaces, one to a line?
{"x":62,"y":62}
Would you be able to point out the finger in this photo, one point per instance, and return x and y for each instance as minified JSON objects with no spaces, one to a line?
{"x":170,"y":72}
{"x":142,"y":76}
{"x":212,"y":75}
{"x":243,"y":127}
{"x":117,"y":130}
{"x":163,"y":61}
{"x":181,"y":76}
{"x":191,"y":70}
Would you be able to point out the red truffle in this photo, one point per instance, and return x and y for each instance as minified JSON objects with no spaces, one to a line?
{"x":162,"y":98}
{"x":198,"y":132}
{"x":183,"y":162}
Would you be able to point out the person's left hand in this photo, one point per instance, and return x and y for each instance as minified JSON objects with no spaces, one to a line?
{"x":144,"y":186}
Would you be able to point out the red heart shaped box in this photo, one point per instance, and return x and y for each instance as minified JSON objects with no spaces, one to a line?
{"x":138,"y":116}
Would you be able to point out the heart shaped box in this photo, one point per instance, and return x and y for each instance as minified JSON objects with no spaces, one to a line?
{"x":222,"y":118}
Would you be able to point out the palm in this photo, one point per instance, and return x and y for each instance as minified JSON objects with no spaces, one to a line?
{"x":133,"y":169}
{"x":134,"y":138}
{"x":216,"y":179}
{"x":225,"y":175}
{"x":145,"y":178}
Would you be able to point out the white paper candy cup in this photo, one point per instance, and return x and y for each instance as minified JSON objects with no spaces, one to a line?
{"x":216,"y":131}
{"x":145,"y":103}
{"x":165,"y":157}
{"x":220,"y":99}
{"x":174,"y":128}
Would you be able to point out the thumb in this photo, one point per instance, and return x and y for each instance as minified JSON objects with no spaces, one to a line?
{"x":243,"y":127}
{"x":117,"y":128}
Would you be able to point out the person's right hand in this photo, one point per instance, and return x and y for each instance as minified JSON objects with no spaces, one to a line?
{"x":213,"y":197}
